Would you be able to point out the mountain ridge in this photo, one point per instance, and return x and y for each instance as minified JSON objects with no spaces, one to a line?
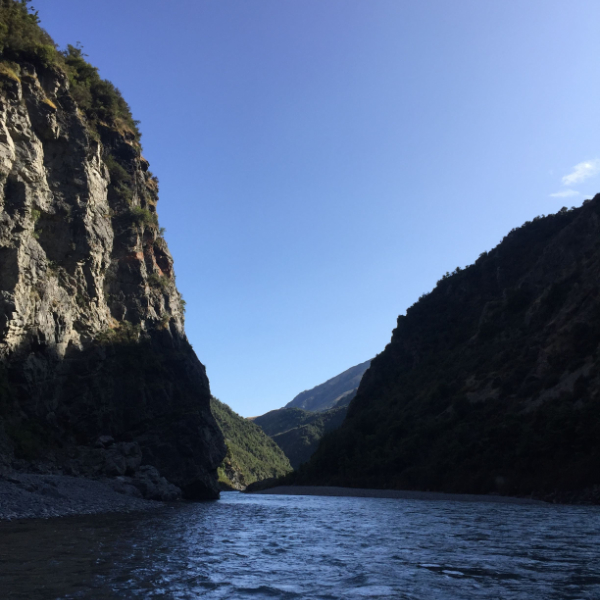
{"x":298,"y":427}
{"x":337,"y":391}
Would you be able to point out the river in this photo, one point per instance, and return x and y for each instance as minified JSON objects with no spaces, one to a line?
{"x":299,"y":547}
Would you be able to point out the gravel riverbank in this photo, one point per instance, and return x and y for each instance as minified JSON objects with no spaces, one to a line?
{"x":306,"y":490}
{"x":29,"y":496}
{"x":32,"y":496}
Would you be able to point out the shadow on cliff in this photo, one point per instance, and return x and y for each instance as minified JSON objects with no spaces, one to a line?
{"x":490,"y":383}
{"x":148,"y":390}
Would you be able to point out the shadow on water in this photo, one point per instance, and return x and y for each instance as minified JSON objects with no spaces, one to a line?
{"x":92,"y":556}
{"x":307,"y":547}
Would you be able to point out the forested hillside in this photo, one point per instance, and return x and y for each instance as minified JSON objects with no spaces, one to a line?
{"x":491,"y":382}
{"x":298,"y":432}
{"x":251,"y":454}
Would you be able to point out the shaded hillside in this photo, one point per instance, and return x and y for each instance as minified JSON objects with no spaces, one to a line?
{"x":298,"y":432}
{"x":251,"y":454}
{"x":491,"y":382}
{"x":337,"y":391}
{"x":96,"y":374}
{"x":282,"y":419}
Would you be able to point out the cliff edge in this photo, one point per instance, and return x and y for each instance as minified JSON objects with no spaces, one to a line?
{"x":96,"y":374}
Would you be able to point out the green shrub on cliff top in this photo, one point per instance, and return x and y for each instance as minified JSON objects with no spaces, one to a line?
{"x":22,"y":40}
{"x":21,"y":37}
{"x":99,"y":99}
{"x":142,"y":216}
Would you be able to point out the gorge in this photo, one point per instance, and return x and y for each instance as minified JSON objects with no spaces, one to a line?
{"x":461,"y":463}
{"x":489,"y":383}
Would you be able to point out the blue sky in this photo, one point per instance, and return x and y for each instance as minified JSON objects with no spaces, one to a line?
{"x":323,"y":162}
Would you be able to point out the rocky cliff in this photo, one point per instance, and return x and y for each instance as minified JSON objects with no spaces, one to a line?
{"x":96,"y":374}
{"x":491,"y":382}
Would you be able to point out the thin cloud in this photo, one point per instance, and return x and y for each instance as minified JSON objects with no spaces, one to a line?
{"x":584,"y":170}
{"x":565,"y":194}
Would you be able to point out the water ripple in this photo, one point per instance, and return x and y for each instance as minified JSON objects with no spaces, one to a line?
{"x":290,"y":547}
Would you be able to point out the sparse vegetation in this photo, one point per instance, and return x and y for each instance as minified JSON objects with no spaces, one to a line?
{"x":9,"y":71}
{"x":49,"y":103}
{"x":159,"y":281}
{"x":120,"y":179}
{"x":99,"y":99}
{"x":21,"y":37}
{"x":143,"y":217}
{"x":124,"y":333}
{"x":23,"y":40}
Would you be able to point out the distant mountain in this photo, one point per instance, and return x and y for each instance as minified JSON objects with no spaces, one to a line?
{"x":298,"y":432}
{"x":251,"y":454}
{"x":491,"y":382}
{"x":299,"y":426}
{"x":337,"y":391}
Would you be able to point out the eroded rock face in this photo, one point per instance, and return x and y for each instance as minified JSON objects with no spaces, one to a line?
{"x":92,"y":341}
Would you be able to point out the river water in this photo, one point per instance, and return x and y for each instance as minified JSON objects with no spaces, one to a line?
{"x":299,"y":547}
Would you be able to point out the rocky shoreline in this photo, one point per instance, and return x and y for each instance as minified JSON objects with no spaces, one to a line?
{"x":42,"y":495}
{"x":35,"y":496}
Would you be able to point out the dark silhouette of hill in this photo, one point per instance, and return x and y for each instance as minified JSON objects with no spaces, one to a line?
{"x":491,"y":382}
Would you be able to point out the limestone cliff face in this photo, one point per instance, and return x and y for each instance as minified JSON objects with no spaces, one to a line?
{"x":92,"y":342}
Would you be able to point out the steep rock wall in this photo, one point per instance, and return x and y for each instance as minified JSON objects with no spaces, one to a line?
{"x":92,"y":342}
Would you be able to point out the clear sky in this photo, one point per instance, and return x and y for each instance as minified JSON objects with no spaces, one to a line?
{"x":323,"y":162}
